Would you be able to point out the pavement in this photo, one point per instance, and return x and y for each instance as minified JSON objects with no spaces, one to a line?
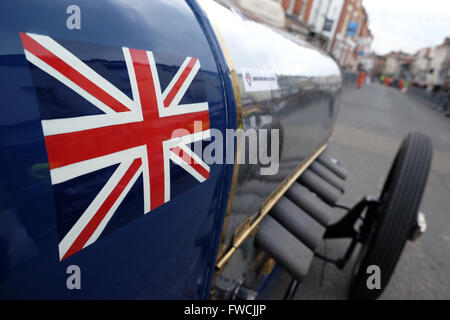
{"x":371,"y":124}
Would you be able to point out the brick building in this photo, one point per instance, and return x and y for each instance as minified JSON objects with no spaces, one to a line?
{"x":352,"y":39}
{"x":338,"y":26}
{"x":297,"y":15}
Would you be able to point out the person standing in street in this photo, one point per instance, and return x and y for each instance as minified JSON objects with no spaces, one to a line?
{"x":361,"y":78}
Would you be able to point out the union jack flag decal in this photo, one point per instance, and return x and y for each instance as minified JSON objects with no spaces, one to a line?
{"x":134,"y":133}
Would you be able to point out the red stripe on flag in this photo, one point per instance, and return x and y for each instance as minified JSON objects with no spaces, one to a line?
{"x":68,"y":148}
{"x":69,"y":72}
{"x":191,"y":162}
{"x":149,"y":103}
{"x":93,"y":224}
{"x":179,"y":82}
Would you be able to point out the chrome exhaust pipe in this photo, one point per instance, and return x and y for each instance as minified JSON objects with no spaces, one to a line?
{"x":332,"y":166}
{"x":297,"y":222}
{"x":319,"y":186}
{"x":310,"y":203}
{"x":294,"y":256}
{"x":328,"y":175}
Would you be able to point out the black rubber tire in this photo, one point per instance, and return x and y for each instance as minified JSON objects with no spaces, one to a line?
{"x":399,"y":204}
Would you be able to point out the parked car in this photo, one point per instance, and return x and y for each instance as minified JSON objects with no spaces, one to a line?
{"x":95,"y":183}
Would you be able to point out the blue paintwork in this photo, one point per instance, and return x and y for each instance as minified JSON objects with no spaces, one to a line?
{"x":169,"y":253}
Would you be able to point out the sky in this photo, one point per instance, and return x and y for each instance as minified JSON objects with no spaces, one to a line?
{"x":407,"y":25}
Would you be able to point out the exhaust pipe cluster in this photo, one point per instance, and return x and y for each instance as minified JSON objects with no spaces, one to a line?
{"x":295,"y":226}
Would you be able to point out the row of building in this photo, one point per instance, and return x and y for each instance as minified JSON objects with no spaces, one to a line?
{"x":338,"y":26}
{"x":428,"y":67}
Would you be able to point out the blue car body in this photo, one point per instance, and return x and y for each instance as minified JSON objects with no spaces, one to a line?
{"x":168,"y":253}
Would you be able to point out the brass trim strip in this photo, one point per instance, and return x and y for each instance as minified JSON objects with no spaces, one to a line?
{"x":266,"y":206}
{"x":238,"y":101}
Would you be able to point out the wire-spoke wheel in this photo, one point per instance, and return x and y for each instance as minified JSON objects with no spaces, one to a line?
{"x":398,"y":208}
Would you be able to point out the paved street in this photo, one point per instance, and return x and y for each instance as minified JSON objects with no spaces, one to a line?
{"x":371,"y":124}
